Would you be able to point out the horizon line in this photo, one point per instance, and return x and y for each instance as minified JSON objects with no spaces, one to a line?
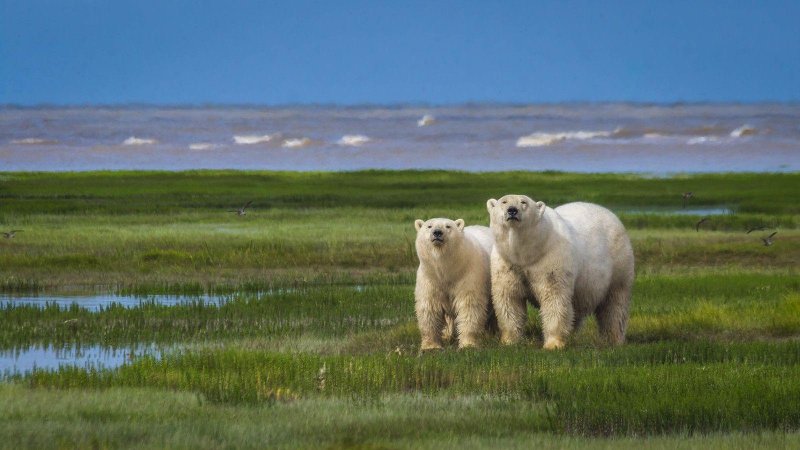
{"x":256,"y":105}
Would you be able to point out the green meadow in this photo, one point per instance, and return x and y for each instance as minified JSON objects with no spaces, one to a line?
{"x":316,"y":344}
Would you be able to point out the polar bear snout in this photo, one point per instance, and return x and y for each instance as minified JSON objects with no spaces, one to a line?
{"x":512,"y":213}
{"x":437,"y":237}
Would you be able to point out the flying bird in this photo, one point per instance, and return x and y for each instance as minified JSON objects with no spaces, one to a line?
{"x":758,"y":228}
{"x":10,"y":234}
{"x":768,"y":240}
{"x":686,"y":196}
{"x":241,"y":211}
{"x":700,"y":222}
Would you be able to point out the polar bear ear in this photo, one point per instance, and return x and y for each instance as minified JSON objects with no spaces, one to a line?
{"x":541,"y":206}
{"x":460,"y":224}
{"x":418,"y":224}
{"x":491,"y":204}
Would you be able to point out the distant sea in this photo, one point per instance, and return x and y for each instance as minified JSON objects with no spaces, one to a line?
{"x":649,"y":139}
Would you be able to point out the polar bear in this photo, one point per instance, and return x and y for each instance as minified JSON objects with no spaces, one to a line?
{"x":452,"y":291}
{"x":570,"y":261}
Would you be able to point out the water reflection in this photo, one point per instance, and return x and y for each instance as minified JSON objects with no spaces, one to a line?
{"x":95,"y":303}
{"x":681,"y":212}
{"x":20,"y":361}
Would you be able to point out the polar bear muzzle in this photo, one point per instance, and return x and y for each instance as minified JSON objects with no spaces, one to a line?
{"x":437,"y":237}
{"x":512,"y":214}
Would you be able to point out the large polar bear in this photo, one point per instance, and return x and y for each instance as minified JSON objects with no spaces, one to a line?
{"x":452,"y":281}
{"x":571,"y":261}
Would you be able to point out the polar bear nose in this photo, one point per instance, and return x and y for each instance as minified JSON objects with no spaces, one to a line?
{"x":438,"y":233}
{"x":512,"y":211}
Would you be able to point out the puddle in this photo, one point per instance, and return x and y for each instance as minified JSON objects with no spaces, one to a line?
{"x":21,"y":361}
{"x":96,"y":302}
{"x":681,"y":211}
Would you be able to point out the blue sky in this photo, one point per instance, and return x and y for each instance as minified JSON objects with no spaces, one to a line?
{"x":352,"y":52}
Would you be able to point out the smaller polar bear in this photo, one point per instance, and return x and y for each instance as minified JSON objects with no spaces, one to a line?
{"x":453,"y":291}
{"x":571,"y":261}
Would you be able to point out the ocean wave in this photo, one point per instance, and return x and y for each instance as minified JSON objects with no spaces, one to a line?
{"x":426,"y":120}
{"x":133,"y":140}
{"x":353,"y":140}
{"x":251,"y":139}
{"x":635,"y":132}
{"x":201,"y":146}
{"x":744,"y":130}
{"x":706,"y":130}
{"x":545,"y":139}
{"x":33,"y":141}
{"x":702,"y":140}
{"x":296,"y":143}
{"x":622,"y":132}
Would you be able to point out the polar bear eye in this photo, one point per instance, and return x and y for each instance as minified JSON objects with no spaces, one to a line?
{"x":430,"y":226}
{"x":524,"y":203}
{"x":447,"y":226}
{"x":504,"y":202}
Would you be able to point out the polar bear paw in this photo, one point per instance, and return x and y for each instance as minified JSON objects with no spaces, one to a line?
{"x":553,"y":343}
{"x":430,"y":347}
{"x":510,"y":338}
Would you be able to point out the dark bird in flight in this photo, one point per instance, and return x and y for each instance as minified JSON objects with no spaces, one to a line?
{"x":241,"y":211}
{"x":768,"y":240}
{"x":700,"y":222}
{"x":686,"y":196}
{"x":10,"y":234}
{"x":758,"y":228}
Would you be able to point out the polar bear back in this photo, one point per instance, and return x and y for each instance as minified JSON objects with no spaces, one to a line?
{"x":590,"y":220}
{"x":482,"y":236}
{"x":602,"y":239}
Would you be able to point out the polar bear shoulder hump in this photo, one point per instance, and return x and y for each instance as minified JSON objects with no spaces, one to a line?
{"x":582,"y":215}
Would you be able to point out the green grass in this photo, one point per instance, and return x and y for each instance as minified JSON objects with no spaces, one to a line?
{"x":169,"y":192}
{"x":150,"y":418}
{"x":723,"y":307}
{"x":317,"y":344}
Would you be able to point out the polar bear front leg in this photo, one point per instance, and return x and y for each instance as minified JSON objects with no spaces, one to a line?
{"x":508,"y":299}
{"x":430,"y":315}
{"x":471,"y":317}
{"x":554,"y":292}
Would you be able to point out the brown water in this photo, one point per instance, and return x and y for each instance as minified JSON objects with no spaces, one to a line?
{"x":655,"y":139}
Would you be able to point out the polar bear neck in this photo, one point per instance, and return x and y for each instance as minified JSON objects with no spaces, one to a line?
{"x":524,"y":245}
{"x":448,"y":263}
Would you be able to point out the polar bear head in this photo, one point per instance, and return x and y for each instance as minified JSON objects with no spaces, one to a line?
{"x":514,"y":211}
{"x":438,"y":235}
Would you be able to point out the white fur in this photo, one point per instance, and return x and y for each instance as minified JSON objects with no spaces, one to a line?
{"x":452,"y":291}
{"x":571,"y":261}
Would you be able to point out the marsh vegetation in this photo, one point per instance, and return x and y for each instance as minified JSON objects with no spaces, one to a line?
{"x":316,"y":343}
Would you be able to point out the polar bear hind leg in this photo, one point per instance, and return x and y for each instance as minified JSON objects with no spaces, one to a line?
{"x":612,"y":315}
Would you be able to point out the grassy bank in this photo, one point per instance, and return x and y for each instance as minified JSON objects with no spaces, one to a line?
{"x":174,"y":231}
{"x":315,"y":343}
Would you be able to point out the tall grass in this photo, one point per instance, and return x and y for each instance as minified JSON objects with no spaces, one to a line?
{"x":154,"y":418}
{"x":734,"y":306}
{"x":698,"y":387}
